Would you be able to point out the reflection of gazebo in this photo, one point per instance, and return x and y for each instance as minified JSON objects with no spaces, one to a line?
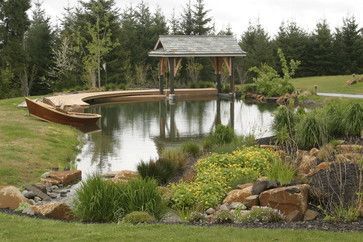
{"x":172,"y":48}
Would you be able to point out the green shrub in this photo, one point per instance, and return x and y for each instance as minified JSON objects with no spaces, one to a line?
{"x":221,"y":135}
{"x":197,"y":218}
{"x":218,"y":173}
{"x":261,"y":215}
{"x":224,"y":217}
{"x":99,"y":200}
{"x":162,"y":170}
{"x":191,"y":148}
{"x":282,"y":172}
{"x":139,"y":217}
{"x":353,"y":120}
{"x":311,"y":131}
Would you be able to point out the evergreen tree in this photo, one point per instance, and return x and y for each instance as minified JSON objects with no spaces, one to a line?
{"x":38,"y":45}
{"x":256,"y":42}
{"x":175,"y":28}
{"x":200,"y":20}
{"x":294,"y":42}
{"x":14,"y":23}
{"x":321,"y":61}
{"x":187,"y":23}
{"x":348,"y":48}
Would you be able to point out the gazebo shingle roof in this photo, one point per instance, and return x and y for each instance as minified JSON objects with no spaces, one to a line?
{"x":196,"y":46}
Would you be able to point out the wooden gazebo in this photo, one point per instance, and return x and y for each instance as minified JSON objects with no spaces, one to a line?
{"x":172,"y":48}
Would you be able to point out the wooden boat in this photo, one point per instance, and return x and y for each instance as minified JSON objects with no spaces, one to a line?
{"x":57,"y":115}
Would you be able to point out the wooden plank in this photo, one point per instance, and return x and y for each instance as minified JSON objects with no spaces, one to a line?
{"x":38,"y":192}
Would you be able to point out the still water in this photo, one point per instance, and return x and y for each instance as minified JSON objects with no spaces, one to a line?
{"x":138,"y":131}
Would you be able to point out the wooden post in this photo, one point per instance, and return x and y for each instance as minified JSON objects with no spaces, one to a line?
{"x":172,"y":74}
{"x":232,"y":86}
{"x":162,"y":108}
{"x":161,"y":75}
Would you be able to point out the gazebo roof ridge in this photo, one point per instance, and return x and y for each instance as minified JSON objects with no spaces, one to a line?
{"x":197,"y":46}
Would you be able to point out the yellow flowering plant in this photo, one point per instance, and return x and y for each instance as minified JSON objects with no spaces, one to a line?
{"x":218,"y":173}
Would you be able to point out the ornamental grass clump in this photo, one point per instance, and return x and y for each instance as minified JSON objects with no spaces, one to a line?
{"x":191,"y":148}
{"x":217,"y":174}
{"x":282,"y":172}
{"x":162,"y":170}
{"x":101,"y":201}
{"x":353,"y":120}
{"x":311,"y":131}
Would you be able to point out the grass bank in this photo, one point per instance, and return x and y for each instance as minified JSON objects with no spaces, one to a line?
{"x":333,"y":84}
{"x":13,"y":228}
{"x":29,"y":146}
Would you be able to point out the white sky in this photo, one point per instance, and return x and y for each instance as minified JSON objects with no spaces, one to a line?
{"x":238,"y":13}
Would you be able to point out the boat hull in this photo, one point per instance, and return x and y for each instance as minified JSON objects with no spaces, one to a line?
{"x":48,"y":113}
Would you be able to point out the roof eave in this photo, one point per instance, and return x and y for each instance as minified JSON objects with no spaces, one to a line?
{"x":155,"y":54}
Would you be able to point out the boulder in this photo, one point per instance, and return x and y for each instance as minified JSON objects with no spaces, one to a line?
{"x":125,"y":176}
{"x":237,"y":205}
{"x":210,"y":211}
{"x":28,"y":194}
{"x":294,"y":216}
{"x":307,"y":164}
{"x":11,"y":197}
{"x":310,"y":215}
{"x":314,"y":152}
{"x":238,"y":195}
{"x":243,"y":186}
{"x":251,"y":201}
{"x":224,"y":207}
{"x":171,"y":218}
{"x":54,"y":210}
{"x":262,"y":185}
{"x":287,"y":199}
{"x":65,"y":177}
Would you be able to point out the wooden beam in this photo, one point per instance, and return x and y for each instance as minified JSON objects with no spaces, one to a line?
{"x":172,"y":65}
{"x":177,"y":65}
{"x":228,"y":63}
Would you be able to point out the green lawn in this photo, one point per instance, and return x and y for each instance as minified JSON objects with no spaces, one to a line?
{"x":14,"y":228}
{"x":29,"y":147}
{"x":336,"y":84}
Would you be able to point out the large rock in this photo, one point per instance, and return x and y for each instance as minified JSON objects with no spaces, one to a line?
{"x":125,"y":176}
{"x":55,"y":210}
{"x":262,"y":185}
{"x":287,"y":199}
{"x":307,"y":164}
{"x":251,"y":201}
{"x":66,"y":177}
{"x":11,"y":197}
{"x":238,"y":195}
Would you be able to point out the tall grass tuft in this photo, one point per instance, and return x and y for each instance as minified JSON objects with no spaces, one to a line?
{"x":311,"y":131}
{"x":334,"y":119}
{"x":282,"y":172}
{"x":176,"y":155}
{"x":102,"y":201}
{"x":191,"y":148}
{"x":162,"y":170}
{"x":353,"y":120}
{"x":96,"y":200}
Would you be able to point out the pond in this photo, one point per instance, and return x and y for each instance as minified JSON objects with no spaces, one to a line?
{"x":131,"y":132}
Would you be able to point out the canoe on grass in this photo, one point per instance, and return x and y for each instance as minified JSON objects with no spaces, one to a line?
{"x":52,"y":114}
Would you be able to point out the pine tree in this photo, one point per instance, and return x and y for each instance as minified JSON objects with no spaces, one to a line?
{"x":175,"y":28}
{"x":201,"y":23}
{"x":38,"y":45}
{"x":321,"y":61}
{"x":14,"y":23}
{"x":187,"y":23}
{"x":256,"y":42}
{"x":348,"y":47}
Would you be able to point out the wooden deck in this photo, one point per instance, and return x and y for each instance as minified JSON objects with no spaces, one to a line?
{"x":84,"y":99}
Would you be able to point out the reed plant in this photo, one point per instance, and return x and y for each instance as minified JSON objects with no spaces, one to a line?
{"x":99,"y":200}
{"x":191,"y":148}
{"x":162,"y":170}
{"x":353,"y":120}
{"x":282,"y":172}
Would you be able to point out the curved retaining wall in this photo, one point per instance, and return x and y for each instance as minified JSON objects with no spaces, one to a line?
{"x":86,"y":99}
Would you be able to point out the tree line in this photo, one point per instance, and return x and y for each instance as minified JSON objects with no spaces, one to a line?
{"x":97,"y":44}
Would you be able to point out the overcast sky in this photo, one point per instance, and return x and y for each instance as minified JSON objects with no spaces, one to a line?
{"x":238,"y":13}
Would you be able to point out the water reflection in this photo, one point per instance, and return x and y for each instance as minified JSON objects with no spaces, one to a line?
{"x":138,"y":131}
